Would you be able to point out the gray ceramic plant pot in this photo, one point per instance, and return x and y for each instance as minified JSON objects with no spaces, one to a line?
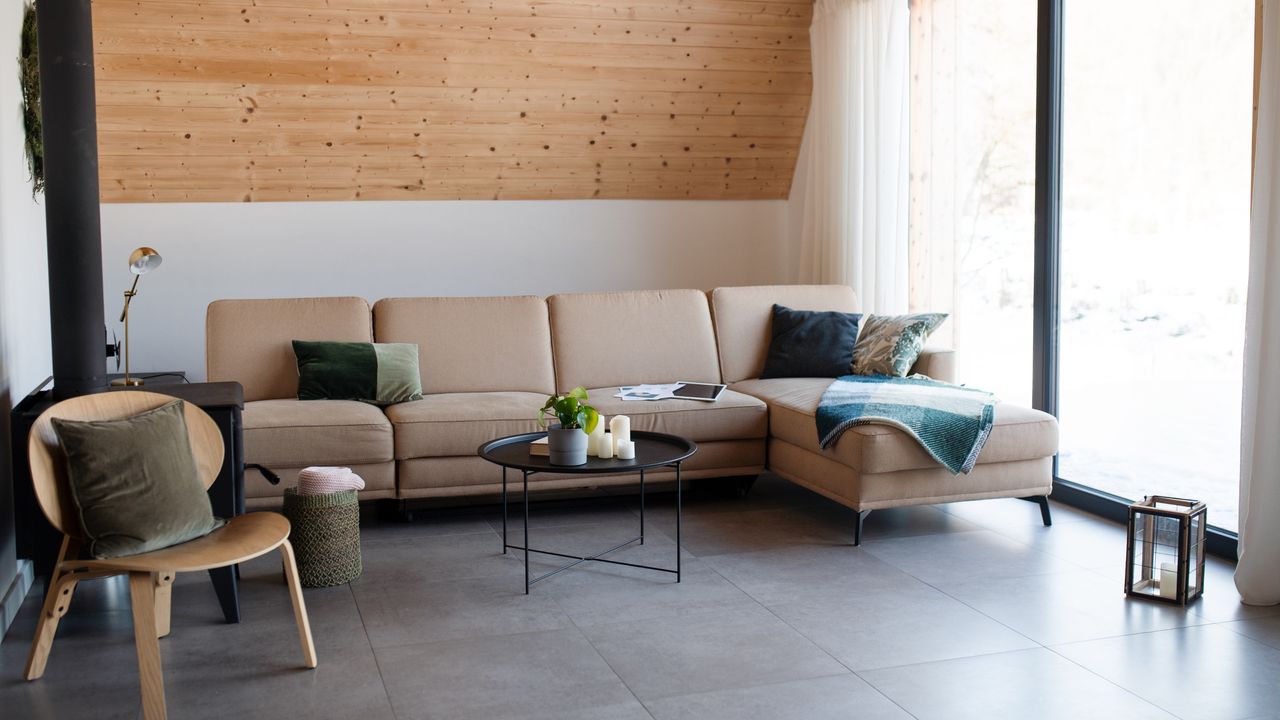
{"x":567,"y":447}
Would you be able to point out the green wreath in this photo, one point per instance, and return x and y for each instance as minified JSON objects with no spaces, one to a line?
{"x":29,"y":63}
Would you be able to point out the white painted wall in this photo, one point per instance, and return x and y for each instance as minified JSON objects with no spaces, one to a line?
{"x":389,"y":249}
{"x":24,"y":280}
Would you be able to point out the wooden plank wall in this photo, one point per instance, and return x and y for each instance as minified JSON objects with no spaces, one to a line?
{"x":260,"y":100}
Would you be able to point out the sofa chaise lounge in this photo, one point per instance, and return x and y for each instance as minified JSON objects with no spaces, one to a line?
{"x":488,"y":363}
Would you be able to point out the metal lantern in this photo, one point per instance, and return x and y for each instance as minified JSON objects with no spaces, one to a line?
{"x":1165,"y":556}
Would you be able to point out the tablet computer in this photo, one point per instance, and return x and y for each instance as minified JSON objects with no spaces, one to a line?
{"x":708,"y":392}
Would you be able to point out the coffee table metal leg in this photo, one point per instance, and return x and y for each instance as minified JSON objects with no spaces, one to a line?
{"x":504,"y":509}
{"x":641,"y":506}
{"x":679,"y":487}
{"x":526,"y":531}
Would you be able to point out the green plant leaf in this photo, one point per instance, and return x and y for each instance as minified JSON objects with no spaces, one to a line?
{"x":579,"y":393}
{"x":591,"y":419}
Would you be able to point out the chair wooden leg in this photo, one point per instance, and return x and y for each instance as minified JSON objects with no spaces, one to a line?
{"x":164,"y":593}
{"x":56,"y":602}
{"x":142,"y":594}
{"x":299,"y":605}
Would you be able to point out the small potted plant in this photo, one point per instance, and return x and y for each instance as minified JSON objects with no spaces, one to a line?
{"x":567,"y":441}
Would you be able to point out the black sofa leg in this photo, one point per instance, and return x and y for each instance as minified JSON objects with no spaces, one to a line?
{"x":1043,"y":502}
{"x":857,"y":527}
{"x":744,"y":485}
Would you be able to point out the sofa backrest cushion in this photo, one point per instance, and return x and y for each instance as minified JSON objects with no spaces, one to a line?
{"x":251,"y":341}
{"x":472,"y":344}
{"x":651,"y":336}
{"x":743,"y":316}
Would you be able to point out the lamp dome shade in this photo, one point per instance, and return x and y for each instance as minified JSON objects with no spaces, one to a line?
{"x":144,"y":260}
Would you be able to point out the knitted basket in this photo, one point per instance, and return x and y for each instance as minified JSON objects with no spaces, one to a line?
{"x":325,"y":535}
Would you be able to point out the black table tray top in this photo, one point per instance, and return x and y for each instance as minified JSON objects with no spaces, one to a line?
{"x":652,"y":450}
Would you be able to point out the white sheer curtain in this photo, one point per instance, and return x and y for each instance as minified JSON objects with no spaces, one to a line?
{"x":854,"y":226}
{"x":1258,"y":572}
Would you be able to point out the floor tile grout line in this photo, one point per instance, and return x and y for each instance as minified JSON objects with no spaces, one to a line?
{"x":810,"y":641}
{"x":1115,"y":684}
{"x":1273,"y":645}
{"x":604,"y":659}
{"x":373,"y":651}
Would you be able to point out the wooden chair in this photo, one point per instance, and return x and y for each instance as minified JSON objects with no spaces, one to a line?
{"x":150,"y":574}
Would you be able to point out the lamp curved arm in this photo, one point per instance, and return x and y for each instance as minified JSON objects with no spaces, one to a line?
{"x":128,"y":295}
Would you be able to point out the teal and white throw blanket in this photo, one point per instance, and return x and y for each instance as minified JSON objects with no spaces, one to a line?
{"x":950,"y":422}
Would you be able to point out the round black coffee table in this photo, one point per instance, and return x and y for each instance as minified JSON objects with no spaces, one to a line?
{"x":653,"y":450}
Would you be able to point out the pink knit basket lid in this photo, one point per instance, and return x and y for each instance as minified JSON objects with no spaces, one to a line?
{"x":324,"y":480}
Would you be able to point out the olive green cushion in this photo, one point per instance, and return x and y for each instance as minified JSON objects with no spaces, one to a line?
{"x":134,"y":482}
{"x":379,"y":373}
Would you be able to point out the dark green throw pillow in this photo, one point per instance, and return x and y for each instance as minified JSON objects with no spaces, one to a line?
{"x":379,"y":373}
{"x":134,"y":482}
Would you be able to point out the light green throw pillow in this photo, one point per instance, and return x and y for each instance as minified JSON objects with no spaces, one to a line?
{"x":134,"y":482}
{"x":379,"y":373}
{"x":890,"y":344}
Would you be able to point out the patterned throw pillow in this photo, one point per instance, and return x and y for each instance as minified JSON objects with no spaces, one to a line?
{"x":890,"y":344}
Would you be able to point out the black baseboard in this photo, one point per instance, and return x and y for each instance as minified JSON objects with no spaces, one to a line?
{"x":1220,"y":543}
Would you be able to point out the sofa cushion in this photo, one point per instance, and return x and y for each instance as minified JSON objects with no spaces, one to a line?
{"x":1018,"y":434}
{"x":630,"y":338}
{"x":451,"y":424}
{"x":473,"y":344}
{"x":297,"y":433}
{"x":251,"y":341}
{"x":810,"y":343}
{"x":378,"y":373}
{"x":734,"y":416}
{"x":890,"y":344}
{"x":744,"y":315}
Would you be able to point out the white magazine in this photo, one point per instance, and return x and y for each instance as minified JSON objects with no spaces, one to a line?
{"x":648,"y":392}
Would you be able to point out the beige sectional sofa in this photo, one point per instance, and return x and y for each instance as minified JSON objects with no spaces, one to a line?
{"x":488,"y":363}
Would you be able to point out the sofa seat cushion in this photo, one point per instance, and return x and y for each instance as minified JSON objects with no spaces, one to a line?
{"x":297,"y":433}
{"x":1019,"y":433}
{"x":453,"y":424}
{"x":734,"y":416}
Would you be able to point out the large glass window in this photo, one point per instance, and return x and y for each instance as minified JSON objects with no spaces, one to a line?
{"x":1157,"y":106}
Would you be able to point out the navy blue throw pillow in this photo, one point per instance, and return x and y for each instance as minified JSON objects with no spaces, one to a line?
{"x":809,"y":343}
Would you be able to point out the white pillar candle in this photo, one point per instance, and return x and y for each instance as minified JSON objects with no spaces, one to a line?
{"x":626,"y":450}
{"x":620,"y":426}
{"x":1168,"y":581}
{"x":593,"y":440}
{"x":605,"y":447}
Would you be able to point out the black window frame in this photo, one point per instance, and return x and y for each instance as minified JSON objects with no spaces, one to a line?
{"x":1048,"y":276}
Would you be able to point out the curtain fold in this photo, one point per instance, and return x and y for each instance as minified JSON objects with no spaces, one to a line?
{"x":854,"y":226}
{"x":1258,"y":570}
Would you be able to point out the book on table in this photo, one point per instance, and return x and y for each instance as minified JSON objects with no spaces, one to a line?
{"x":540,"y":447}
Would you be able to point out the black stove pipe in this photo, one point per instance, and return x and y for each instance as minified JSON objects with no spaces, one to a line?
{"x":73,"y":229}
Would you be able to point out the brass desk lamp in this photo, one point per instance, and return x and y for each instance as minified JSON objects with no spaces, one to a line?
{"x":141,"y":261}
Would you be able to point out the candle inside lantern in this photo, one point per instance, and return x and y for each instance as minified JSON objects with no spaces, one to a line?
{"x":1168,"y":581}
{"x":620,"y":426}
{"x":604,"y":449}
{"x":626,"y":450}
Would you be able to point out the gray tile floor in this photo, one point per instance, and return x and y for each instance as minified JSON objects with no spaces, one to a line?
{"x":970,"y":610}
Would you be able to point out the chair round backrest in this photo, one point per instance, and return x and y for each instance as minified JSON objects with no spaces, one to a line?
{"x":49,"y":465}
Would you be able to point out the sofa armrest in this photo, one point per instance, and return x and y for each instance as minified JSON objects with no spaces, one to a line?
{"x":937,"y":363}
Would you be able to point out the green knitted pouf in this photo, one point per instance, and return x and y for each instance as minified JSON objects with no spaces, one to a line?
{"x":325,"y":535}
